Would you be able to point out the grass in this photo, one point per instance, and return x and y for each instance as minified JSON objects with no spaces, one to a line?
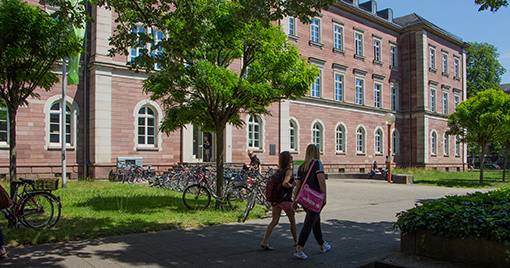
{"x":491,"y":178}
{"x":103,"y":209}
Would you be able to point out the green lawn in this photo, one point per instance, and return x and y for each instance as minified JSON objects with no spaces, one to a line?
{"x":101,"y":209}
{"x":491,"y":178}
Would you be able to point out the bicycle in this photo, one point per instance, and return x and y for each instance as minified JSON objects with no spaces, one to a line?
{"x":258,"y":193}
{"x":35,"y":206}
{"x":198,"y":196}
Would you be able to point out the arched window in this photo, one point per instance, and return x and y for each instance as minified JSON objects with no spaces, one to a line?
{"x":317,"y":135}
{"x":340,"y":139}
{"x":254,"y":132}
{"x":378,"y":142}
{"x":292,"y":136}
{"x":360,"y":141}
{"x":146,"y":127}
{"x":433,"y":143}
{"x":395,"y":142}
{"x":56,"y":127}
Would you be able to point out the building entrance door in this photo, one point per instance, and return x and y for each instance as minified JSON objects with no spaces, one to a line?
{"x":203,"y":145}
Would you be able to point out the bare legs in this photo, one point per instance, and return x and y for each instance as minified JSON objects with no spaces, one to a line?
{"x":276,"y":213}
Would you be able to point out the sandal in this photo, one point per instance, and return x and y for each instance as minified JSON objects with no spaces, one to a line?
{"x":3,"y":253}
{"x":266,"y":246}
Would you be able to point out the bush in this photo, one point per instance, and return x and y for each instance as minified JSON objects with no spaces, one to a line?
{"x":478,"y":214}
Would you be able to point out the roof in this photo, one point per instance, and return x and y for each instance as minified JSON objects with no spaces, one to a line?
{"x":415,"y":19}
{"x":505,"y":88}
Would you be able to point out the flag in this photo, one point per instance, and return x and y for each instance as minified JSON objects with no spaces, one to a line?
{"x":73,"y":77}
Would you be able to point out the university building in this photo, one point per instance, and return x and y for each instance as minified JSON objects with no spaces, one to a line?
{"x":370,"y":64}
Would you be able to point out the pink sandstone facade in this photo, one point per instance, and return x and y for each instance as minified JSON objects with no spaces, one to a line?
{"x":371,"y":64}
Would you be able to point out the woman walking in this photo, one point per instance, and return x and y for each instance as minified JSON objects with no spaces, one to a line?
{"x":285,"y":167}
{"x":316,"y":181}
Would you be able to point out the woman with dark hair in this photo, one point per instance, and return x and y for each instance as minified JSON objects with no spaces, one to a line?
{"x":312,"y":165}
{"x":284,"y":167}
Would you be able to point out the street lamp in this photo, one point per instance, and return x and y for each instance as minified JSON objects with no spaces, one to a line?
{"x":389,"y":119}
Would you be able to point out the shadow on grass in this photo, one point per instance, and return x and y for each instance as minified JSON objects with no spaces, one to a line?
{"x":459,"y":183}
{"x":134,"y":204}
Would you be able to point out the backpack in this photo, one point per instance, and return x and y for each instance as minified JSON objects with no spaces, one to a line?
{"x":275,"y":192}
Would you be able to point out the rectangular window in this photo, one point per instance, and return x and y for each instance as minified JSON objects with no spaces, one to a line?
{"x":359,"y":91}
{"x":377,"y":50}
{"x":315,"y":31}
{"x":432,"y":100}
{"x":445,"y":103}
{"x":377,"y":95}
{"x":339,"y":86}
{"x":456,"y":65}
{"x":456,"y":101}
{"x":445,"y":63}
{"x":432,"y":59}
{"x":457,"y":146}
{"x":156,"y":47}
{"x":338,"y":35}
{"x":358,"y":37}
{"x":292,"y":26}
{"x":446,"y":144}
{"x":135,"y":51}
{"x":316,"y":87}
{"x":394,"y":98}
{"x":3,"y":125}
{"x":393,"y":55}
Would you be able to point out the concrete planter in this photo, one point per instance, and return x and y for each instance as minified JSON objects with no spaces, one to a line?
{"x":476,"y":251}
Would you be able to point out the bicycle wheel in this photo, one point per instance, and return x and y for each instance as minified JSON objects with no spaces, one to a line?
{"x":237,"y":197}
{"x":249,"y":205}
{"x":57,"y":210}
{"x":37,"y":210}
{"x":196,"y":197}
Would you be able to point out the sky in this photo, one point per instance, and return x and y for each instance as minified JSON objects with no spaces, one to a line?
{"x":461,"y":18}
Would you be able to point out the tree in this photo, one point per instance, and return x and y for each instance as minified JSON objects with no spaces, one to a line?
{"x":483,"y":68}
{"x":494,"y":5}
{"x":32,"y":42}
{"x":480,"y":118}
{"x":215,"y":62}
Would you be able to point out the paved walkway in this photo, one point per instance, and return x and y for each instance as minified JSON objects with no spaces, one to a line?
{"x":357,"y":222}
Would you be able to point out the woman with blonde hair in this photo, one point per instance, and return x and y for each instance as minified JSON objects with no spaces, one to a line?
{"x":285,"y":167}
{"x":317,"y":182}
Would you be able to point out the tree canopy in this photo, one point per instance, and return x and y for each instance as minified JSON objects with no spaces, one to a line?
{"x":493,"y":5}
{"x":32,"y":42}
{"x":480,"y":118}
{"x":216,"y":60}
{"x":483,"y":68}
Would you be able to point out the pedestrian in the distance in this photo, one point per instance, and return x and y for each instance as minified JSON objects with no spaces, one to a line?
{"x":284,"y":166}
{"x":317,"y":182}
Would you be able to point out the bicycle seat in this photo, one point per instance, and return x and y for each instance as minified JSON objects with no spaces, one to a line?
{"x":27,"y":181}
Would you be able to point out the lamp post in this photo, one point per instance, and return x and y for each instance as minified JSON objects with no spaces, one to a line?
{"x":389,"y":119}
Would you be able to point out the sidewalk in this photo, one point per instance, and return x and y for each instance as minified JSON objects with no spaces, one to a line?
{"x":357,"y":222}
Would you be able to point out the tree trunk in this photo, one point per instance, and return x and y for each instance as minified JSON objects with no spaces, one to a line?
{"x":220,"y":152}
{"x":482,"y":161}
{"x":12,"y":143}
{"x":507,"y":148}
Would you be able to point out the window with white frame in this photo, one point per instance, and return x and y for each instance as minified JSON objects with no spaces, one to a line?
{"x":393,"y":55}
{"x":395,"y":142}
{"x":254,"y":132}
{"x":432,"y":57}
{"x":315,"y":31}
{"x":358,"y":42}
{"x":147,"y":127}
{"x":156,"y":47}
{"x":433,"y":143}
{"x":338,"y":35}
{"x":377,"y":95}
{"x":457,"y":146}
{"x":340,"y":139}
{"x":432,"y":99}
{"x":135,"y":51}
{"x":445,"y":63}
{"x":394,"y":97}
{"x":446,"y":143}
{"x":4,"y":125}
{"x":445,"y":103}
{"x":316,"y":86}
{"x":55,"y":115}
{"x":456,"y":101}
{"x":317,"y":135}
{"x":359,"y":91}
{"x":339,"y":87}
{"x":360,"y":140}
{"x":292,"y":26}
{"x":377,"y":50}
{"x":456,"y":67}
{"x":292,"y":135}
{"x":378,"y":142}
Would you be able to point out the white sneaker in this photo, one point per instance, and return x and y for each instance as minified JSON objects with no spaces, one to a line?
{"x":301,"y":255}
{"x":326,"y":247}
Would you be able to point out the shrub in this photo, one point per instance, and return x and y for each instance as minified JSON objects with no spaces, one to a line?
{"x":478,"y":214}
